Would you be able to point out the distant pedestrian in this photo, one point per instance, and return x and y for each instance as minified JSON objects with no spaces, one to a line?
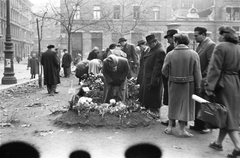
{"x":18,"y":58}
{"x":66,"y":63}
{"x":34,"y":66}
{"x":50,"y":64}
{"x":129,"y":49}
{"x":182,"y":68}
{"x":28,"y":63}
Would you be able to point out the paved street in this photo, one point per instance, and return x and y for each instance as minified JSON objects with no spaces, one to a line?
{"x":20,"y":70}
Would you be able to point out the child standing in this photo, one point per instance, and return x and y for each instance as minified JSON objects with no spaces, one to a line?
{"x":33,"y":64}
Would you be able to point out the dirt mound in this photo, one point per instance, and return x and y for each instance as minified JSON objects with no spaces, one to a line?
{"x":93,"y":119}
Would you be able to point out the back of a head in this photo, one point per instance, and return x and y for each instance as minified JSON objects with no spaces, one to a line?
{"x":181,"y":39}
{"x":112,"y":46}
{"x":143,"y":150}
{"x":229,"y":34}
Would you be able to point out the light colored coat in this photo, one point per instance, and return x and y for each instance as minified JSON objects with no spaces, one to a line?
{"x":182,"y":63}
{"x":223,"y":78}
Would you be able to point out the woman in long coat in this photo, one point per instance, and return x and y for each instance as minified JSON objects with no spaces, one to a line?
{"x":150,"y":89}
{"x":34,"y":65}
{"x":223,"y":80}
{"x":182,"y":68}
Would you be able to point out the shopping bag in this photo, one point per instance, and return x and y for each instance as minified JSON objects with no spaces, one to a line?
{"x":212,"y":113}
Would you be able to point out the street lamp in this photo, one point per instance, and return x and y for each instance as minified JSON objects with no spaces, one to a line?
{"x":8,"y":77}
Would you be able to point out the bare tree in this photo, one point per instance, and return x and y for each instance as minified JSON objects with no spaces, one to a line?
{"x":128,"y":19}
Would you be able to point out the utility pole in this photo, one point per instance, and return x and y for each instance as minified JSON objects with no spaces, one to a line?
{"x":39,"y":56}
{"x":8,"y":77}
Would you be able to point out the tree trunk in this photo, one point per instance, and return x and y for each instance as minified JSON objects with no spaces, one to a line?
{"x":70,"y":44}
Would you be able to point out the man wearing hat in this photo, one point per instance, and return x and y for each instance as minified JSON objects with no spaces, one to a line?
{"x":51,"y":67}
{"x":150,"y":89}
{"x":205,"y":49}
{"x":143,"y":50}
{"x":169,"y":37}
{"x":129,"y":49}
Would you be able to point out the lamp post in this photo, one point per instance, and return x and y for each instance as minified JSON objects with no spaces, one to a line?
{"x":8,"y":77}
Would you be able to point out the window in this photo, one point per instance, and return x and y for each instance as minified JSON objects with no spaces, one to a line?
{"x":156,"y":12}
{"x":136,"y":12}
{"x":96,"y":12}
{"x":77,"y":13}
{"x":116,"y":12}
{"x":233,"y":13}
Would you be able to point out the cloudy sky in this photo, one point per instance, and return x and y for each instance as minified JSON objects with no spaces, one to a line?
{"x":37,"y":4}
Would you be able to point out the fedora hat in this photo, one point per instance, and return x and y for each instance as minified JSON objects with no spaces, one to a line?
{"x":141,"y":42}
{"x":122,"y":39}
{"x":151,"y":38}
{"x":50,"y":46}
{"x":171,"y":33}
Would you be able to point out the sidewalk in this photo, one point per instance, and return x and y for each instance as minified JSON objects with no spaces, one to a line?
{"x":21,"y":73}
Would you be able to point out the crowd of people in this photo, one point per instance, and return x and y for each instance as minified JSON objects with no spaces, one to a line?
{"x":166,"y":76}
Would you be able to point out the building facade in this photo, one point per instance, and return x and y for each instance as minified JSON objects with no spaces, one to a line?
{"x":20,"y":26}
{"x":100,"y":23}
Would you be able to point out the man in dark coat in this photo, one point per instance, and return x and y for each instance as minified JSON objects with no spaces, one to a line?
{"x":169,"y":38}
{"x":129,"y":49}
{"x":150,"y":89}
{"x":66,"y":63}
{"x":50,"y":64}
{"x":204,"y":50}
{"x":143,"y":50}
{"x":115,"y":71}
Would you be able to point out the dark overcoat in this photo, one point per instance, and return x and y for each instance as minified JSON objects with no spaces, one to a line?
{"x":66,"y":60}
{"x":140,"y":73}
{"x":223,"y":78}
{"x":50,"y":64}
{"x":152,"y":66}
{"x":130,"y":50}
{"x":182,"y":68}
{"x":33,"y":64}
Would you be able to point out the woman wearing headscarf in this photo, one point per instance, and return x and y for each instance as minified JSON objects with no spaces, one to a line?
{"x":223,"y":81}
{"x":182,"y":68}
{"x":115,"y":71}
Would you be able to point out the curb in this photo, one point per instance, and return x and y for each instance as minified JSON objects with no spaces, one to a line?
{"x":6,"y":87}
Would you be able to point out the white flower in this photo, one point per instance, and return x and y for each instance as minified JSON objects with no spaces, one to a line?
{"x":112,"y":101}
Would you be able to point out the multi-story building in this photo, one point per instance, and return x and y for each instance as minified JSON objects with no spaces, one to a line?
{"x":20,"y":25}
{"x":100,"y":23}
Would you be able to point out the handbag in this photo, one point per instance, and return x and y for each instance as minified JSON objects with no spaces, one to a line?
{"x":214,"y":114}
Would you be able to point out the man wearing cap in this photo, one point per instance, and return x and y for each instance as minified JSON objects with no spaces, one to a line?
{"x":169,"y":38}
{"x":114,"y":50}
{"x":150,"y":89}
{"x":51,"y":67}
{"x":129,"y":49}
{"x":143,"y":50}
{"x":205,"y":49}
{"x":115,"y":71}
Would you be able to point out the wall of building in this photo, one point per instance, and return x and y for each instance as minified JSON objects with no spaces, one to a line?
{"x":20,"y":24}
{"x":135,"y":29}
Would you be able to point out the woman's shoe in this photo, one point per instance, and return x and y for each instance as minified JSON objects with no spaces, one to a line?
{"x":234,"y":154}
{"x":168,"y":131}
{"x":216,"y":146}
